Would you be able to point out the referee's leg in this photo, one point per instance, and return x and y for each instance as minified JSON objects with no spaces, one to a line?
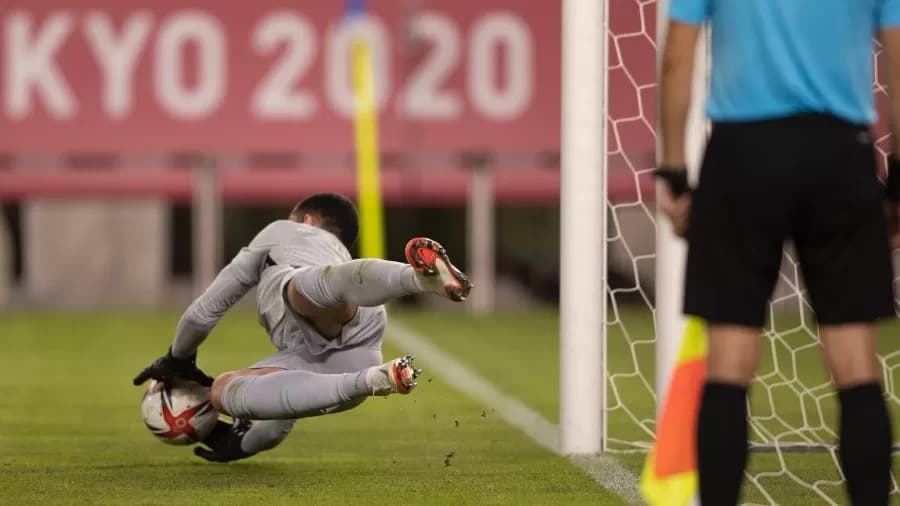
{"x":739,"y":220}
{"x":843,"y":246}
{"x":722,"y":422}
{"x":865,"y":427}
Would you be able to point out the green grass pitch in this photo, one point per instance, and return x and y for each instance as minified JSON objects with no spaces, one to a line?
{"x":72,"y":432}
{"x":519,"y":352}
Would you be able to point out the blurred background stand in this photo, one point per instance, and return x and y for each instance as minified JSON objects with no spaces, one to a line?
{"x":480,"y":210}
{"x":87,"y":252}
{"x":6,"y":265}
{"x":207,"y":222}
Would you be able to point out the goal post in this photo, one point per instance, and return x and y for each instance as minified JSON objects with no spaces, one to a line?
{"x":583,"y":226}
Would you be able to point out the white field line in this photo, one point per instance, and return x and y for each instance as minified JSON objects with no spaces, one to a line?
{"x":604,"y":469}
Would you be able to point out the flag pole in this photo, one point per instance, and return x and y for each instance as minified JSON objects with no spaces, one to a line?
{"x":368,"y":172}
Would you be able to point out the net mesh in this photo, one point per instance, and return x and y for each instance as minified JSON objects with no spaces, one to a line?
{"x":793,"y":408}
{"x":631,"y":146}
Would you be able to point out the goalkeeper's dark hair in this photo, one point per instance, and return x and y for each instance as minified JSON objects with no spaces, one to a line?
{"x":335,"y":213}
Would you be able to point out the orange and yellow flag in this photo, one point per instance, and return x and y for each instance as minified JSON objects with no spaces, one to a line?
{"x":670,"y":474}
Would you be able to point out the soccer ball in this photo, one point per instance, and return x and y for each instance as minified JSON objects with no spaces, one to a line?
{"x":179,"y":412}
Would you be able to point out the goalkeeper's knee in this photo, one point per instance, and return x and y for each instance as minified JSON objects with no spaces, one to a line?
{"x":218,"y":387}
{"x":221,"y":382}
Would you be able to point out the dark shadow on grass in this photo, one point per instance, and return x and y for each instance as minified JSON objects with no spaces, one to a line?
{"x":247,"y":467}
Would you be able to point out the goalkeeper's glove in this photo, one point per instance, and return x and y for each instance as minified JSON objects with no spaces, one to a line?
{"x":225,"y":442}
{"x":675,"y":178}
{"x":893,"y":179}
{"x":170,"y":367}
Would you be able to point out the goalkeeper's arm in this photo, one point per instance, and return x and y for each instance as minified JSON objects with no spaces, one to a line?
{"x":198,"y":320}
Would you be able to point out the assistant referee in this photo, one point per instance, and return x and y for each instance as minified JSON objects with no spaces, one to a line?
{"x":790,"y":157}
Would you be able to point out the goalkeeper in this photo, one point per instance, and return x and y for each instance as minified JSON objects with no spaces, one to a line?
{"x":790,"y":157}
{"x":321,"y":310}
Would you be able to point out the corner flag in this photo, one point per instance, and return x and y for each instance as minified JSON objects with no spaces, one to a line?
{"x":670,"y":473}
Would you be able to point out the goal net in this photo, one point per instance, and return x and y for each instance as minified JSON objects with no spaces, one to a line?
{"x":793,"y":408}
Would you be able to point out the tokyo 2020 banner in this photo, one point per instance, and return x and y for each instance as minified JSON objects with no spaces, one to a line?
{"x":169,"y":75}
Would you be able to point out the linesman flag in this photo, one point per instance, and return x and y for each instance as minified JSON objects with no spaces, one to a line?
{"x":670,"y":473}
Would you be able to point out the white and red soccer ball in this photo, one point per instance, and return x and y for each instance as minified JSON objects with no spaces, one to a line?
{"x":179,"y":412}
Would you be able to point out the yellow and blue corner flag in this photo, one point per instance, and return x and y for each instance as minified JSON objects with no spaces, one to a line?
{"x":670,"y":473}
{"x":368,"y":177}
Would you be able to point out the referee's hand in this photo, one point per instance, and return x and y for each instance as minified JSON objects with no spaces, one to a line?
{"x":676,"y":208}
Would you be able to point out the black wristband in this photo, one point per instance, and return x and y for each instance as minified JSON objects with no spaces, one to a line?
{"x":189,"y":360}
{"x":893,"y":179}
{"x":676,"y":179}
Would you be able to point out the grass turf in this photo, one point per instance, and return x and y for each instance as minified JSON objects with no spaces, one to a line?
{"x":73,"y":435}
{"x":519,"y":353}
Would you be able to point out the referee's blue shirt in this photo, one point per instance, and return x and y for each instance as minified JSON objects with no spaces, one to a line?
{"x":774,"y":58}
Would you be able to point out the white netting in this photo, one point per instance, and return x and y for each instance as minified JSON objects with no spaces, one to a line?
{"x":631,"y":242}
{"x":793,"y":425}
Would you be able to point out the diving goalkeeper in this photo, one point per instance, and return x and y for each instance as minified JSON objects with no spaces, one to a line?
{"x":324,"y":313}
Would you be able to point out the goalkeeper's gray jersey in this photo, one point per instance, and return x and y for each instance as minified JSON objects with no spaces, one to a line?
{"x":269,"y":262}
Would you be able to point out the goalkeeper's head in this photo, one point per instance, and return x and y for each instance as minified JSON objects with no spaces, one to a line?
{"x":332,"y":212}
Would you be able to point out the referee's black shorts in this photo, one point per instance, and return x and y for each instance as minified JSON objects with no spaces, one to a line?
{"x":810,"y":178}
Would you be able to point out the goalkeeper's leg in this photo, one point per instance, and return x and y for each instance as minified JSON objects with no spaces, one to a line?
{"x":372,"y":282}
{"x":274,"y":394}
{"x":287,"y":386}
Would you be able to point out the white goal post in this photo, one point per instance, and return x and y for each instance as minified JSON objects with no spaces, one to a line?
{"x":583,"y":226}
{"x":583,"y":202}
